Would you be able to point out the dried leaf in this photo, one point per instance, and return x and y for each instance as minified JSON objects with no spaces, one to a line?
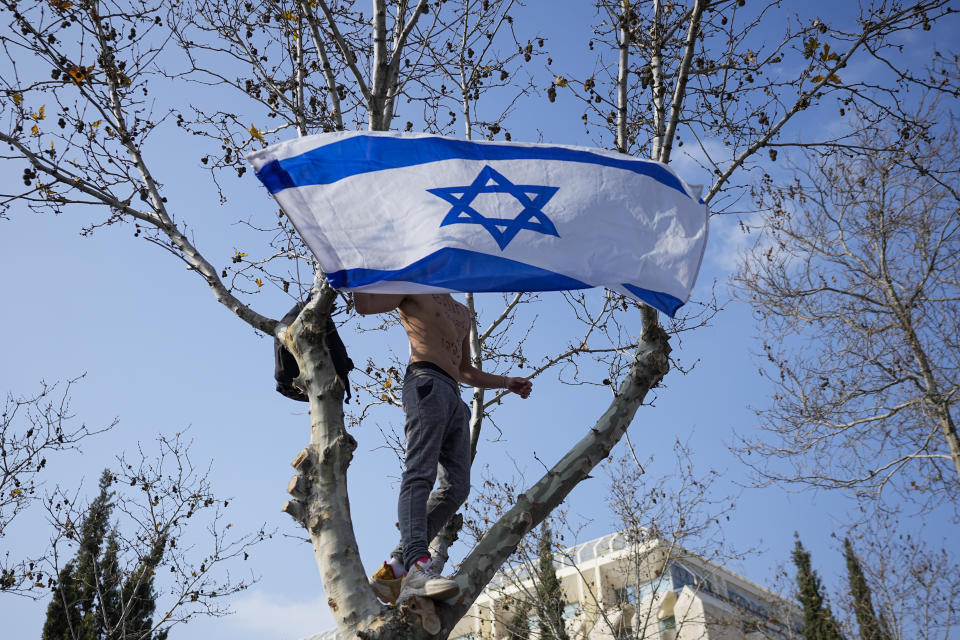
{"x":79,"y":73}
{"x":257,"y":135}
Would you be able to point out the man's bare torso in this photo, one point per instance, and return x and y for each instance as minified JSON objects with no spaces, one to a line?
{"x":436,"y":325}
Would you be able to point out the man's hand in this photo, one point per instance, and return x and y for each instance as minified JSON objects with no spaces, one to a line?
{"x":520,"y":386}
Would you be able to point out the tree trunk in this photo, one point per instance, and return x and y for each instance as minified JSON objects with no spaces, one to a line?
{"x":320,"y":501}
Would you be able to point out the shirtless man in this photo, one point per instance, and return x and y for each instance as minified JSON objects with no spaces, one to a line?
{"x":437,"y":435}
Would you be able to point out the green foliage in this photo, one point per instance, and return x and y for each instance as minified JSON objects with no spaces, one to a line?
{"x":93,"y":599}
{"x":551,"y":594}
{"x":519,"y":628}
{"x":871,"y":628}
{"x":818,"y":620}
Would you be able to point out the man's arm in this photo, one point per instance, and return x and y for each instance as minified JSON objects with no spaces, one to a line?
{"x":472,"y":376}
{"x":367,"y":303}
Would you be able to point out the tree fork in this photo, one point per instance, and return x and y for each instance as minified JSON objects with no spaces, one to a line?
{"x":650,"y":365}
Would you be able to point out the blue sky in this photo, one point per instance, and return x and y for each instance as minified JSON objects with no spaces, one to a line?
{"x":162,"y":356}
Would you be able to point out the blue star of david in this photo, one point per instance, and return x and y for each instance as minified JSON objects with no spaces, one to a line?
{"x":504,"y":230}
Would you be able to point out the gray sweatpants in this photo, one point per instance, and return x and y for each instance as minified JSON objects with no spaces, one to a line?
{"x":437,"y":450}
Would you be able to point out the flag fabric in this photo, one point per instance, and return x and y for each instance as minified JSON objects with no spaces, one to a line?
{"x":391,"y":212}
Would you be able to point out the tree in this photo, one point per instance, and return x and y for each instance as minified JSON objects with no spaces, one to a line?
{"x":552,"y":600}
{"x":133,"y":531}
{"x":858,"y":292}
{"x":91,"y":593}
{"x":519,"y":624}
{"x":309,"y":66}
{"x":870,"y":627}
{"x":818,"y":620}
{"x":914,"y":585}
{"x":107,"y":590}
{"x":140,"y":595}
{"x":31,"y":429}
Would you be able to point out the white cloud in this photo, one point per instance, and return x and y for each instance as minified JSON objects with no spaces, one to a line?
{"x":689,"y":161}
{"x":728,"y":241}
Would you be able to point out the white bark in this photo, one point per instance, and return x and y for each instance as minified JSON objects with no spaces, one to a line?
{"x":932,"y":395}
{"x":656,"y":71}
{"x":331,"y":80}
{"x":348,"y":54}
{"x":320,"y":501}
{"x":476,"y":359}
{"x":623,"y":71}
{"x":680,"y":89}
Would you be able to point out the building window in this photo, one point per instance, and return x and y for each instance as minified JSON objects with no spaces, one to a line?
{"x":668,"y":628}
{"x":533,"y":624}
{"x":625,"y":595}
{"x":623,"y":632}
{"x":683,"y":577}
{"x":571,"y":611}
{"x":654,"y":587}
{"x":747,"y":603}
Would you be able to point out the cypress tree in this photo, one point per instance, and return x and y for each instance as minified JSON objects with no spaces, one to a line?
{"x":72,"y":613}
{"x":519,"y":625}
{"x":818,"y":620}
{"x":551,"y":594}
{"x":63,"y":610}
{"x":110,"y":606}
{"x":93,"y":599}
{"x":885,"y":631}
{"x":870,"y":627}
{"x":139,"y":594}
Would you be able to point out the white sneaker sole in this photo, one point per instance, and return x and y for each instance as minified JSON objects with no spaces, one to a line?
{"x":432,"y":591}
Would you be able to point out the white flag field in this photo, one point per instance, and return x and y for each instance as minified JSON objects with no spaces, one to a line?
{"x":388,"y":212}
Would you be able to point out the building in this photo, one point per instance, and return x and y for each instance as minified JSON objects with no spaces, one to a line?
{"x":647,"y":589}
{"x":616,"y":588}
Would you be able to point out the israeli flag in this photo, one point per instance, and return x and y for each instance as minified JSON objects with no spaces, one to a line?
{"x":416,"y":213}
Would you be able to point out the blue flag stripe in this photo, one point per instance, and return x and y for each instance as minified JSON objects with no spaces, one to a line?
{"x":364,"y":154}
{"x":463,"y":270}
{"x":656,"y":299}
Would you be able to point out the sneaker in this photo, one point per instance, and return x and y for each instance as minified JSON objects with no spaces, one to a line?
{"x":423,"y":580}
{"x":385,"y":585}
